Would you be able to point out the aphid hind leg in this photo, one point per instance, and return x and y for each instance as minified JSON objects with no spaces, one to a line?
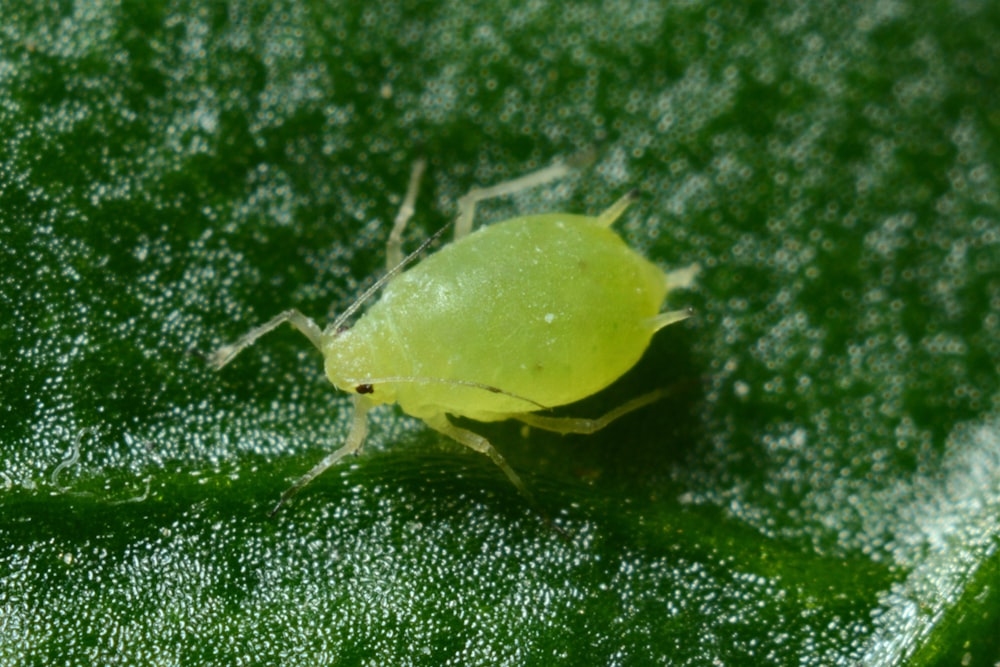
{"x":394,"y":247}
{"x":225,"y":354}
{"x":480,"y":444}
{"x":467,"y":203}
{"x":355,"y":439}
{"x":585,"y":426}
{"x":683,"y":278}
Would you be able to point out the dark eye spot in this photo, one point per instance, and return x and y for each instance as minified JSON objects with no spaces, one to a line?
{"x":364,"y":389}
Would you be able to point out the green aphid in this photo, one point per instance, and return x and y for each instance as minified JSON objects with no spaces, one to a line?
{"x":503,"y":323}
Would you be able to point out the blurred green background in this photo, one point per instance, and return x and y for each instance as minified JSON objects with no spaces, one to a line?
{"x":822,"y":486}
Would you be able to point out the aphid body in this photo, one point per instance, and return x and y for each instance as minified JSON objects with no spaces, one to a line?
{"x":517,"y":317}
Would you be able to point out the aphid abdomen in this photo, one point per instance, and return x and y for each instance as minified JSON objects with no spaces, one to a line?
{"x":552,"y":308}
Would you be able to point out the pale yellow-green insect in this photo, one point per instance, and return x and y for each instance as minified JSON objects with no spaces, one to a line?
{"x":503,"y":323}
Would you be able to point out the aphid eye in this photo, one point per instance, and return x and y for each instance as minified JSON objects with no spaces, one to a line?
{"x":364,"y":389}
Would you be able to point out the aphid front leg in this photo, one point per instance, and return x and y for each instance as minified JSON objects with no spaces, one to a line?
{"x":356,"y":438}
{"x":480,"y":444}
{"x":394,"y":248}
{"x":225,"y":354}
{"x":585,"y":426}
{"x":467,"y":203}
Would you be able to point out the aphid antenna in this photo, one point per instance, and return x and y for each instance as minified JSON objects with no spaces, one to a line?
{"x":339,"y":324}
{"x":460,"y":383}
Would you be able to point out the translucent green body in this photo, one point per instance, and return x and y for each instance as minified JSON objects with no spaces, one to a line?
{"x":521,"y":316}
{"x":537,"y":311}
{"x":518,"y":317}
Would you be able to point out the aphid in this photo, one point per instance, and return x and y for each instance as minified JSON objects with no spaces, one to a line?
{"x":505,"y":322}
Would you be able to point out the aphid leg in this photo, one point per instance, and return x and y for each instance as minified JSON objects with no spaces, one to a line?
{"x":225,"y":354}
{"x":663,"y":319}
{"x":394,"y":248}
{"x":467,"y":203}
{"x":584,"y":426}
{"x":615,"y":211}
{"x":480,"y":444}
{"x":356,"y":438}
{"x":683,"y":278}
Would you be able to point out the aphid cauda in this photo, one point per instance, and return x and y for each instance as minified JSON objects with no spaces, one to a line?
{"x":505,"y":322}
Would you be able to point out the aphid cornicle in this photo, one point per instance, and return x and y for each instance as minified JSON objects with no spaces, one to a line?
{"x":503,"y":323}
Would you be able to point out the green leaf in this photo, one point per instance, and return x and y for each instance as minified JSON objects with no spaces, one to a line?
{"x":822,"y":485}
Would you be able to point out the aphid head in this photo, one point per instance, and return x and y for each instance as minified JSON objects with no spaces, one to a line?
{"x":352,"y":356}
